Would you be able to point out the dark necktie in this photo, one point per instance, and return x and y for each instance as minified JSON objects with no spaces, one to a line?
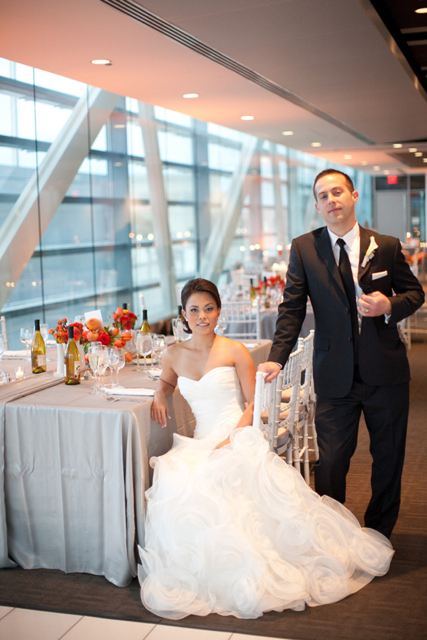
{"x":348,"y":282}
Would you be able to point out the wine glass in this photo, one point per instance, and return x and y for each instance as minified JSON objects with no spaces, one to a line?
{"x":144,"y":346}
{"x":221,"y":325}
{"x":26,"y":337}
{"x":98,"y":362}
{"x":44,"y":330}
{"x":103,"y":364}
{"x":159,"y":345}
{"x":117,"y":362}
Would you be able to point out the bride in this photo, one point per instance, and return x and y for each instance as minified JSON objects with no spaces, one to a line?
{"x":231,"y":528}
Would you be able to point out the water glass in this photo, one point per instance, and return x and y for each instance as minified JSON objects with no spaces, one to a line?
{"x":117,"y":362}
{"x":98,"y":362}
{"x":144,"y":347}
{"x":26,"y":337}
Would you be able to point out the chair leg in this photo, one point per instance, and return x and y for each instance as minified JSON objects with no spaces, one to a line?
{"x":306,"y":458}
{"x":296,"y":456}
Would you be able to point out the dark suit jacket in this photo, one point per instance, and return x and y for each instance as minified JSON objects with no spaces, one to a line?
{"x":313,"y":272}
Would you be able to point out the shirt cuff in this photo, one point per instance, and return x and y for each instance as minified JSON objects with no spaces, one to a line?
{"x":387,"y":317}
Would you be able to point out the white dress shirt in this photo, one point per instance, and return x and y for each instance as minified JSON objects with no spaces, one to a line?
{"x":352,"y":246}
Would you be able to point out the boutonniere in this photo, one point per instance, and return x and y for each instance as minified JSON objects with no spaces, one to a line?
{"x":370,"y":252}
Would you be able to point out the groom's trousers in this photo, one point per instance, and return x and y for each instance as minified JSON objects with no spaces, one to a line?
{"x":385,"y":411}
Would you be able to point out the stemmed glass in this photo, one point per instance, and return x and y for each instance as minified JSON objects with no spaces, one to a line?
{"x":44,"y":330}
{"x":159,"y":345}
{"x":98,"y":362}
{"x":221,"y":325}
{"x":26,"y":336}
{"x":144,"y":346}
{"x":117,"y":362}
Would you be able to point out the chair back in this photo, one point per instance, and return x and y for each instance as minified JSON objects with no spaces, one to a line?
{"x":4,"y":332}
{"x":243,"y":319}
{"x":306,"y":389}
{"x":279,"y":427}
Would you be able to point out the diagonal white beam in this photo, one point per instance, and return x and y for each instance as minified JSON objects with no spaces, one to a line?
{"x":20,"y":232}
{"x":159,"y":204}
{"x":222,"y":232}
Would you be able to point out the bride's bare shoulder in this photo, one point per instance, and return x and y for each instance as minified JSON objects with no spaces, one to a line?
{"x":233,"y":346}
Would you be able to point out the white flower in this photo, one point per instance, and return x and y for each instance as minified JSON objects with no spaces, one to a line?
{"x":370,"y":252}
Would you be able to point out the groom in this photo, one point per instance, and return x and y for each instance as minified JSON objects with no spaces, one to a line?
{"x":360,"y":286}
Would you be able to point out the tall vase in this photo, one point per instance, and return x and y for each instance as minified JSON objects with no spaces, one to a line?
{"x":59,"y":373}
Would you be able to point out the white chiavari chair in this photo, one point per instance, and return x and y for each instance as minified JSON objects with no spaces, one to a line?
{"x":275,"y":418}
{"x":245,"y":316}
{"x":306,"y":426}
{"x":3,"y":331}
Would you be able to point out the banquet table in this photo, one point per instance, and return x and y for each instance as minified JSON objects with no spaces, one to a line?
{"x":74,"y":468}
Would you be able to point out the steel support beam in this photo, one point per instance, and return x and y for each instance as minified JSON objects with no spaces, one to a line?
{"x":36,"y":206}
{"x":159,"y":205}
{"x":222,"y":231}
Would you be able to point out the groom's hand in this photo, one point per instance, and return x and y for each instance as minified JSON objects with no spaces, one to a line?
{"x":374,"y":304}
{"x":272,"y":368}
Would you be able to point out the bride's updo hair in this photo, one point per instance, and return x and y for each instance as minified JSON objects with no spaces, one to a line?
{"x":198,"y":285}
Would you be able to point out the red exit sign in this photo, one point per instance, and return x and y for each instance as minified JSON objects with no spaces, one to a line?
{"x":391,"y":179}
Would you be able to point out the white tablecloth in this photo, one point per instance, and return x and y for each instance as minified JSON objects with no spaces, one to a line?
{"x":73,"y":471}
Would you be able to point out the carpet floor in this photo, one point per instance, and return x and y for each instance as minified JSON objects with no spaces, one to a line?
{"x":390,"y":608}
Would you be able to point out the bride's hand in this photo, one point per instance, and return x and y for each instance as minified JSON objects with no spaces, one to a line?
{"x":223,"y":443}
{"x":160,"y":409}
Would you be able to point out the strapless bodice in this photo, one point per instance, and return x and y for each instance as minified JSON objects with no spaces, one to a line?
{"x":216,"y":401}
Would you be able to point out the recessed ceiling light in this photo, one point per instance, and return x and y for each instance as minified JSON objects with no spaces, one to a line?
{"x":421,"y":10}
{"x":424,"y":159}
{"x":190,"y":95}
{"x":119,"y":126}
{"x":348,"y":157}
{"x":364,"y":162}
{"x":316,"y":144}
{"x":397,"y":145}
{"x":101,"y":61}
{"x":412,"y":149}
{"x":247,"y":117}
{"x":418,"y":154}
{"x":376,"y":168}
{"x":287,"y":133}
{"x":386,"y":172}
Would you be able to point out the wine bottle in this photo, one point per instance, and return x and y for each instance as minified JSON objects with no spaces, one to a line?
{"x":145,"y":327}
{"x":71,"y":360}
{"x":264,"y":286}
{"x":180,"y":317}
{"x":38,"y":350}
{"x":125,"y":306}
{"x":252,"y":290}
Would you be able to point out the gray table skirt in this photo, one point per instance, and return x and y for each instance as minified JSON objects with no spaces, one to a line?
{"x":73,"y":472}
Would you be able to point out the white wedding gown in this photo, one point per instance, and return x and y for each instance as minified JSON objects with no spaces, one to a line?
{"x":237,"y":531}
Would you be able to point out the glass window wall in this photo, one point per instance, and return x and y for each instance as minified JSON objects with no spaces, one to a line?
{"x":112,"y":233}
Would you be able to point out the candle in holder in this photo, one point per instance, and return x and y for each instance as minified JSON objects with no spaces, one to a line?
{"x":19,"y":373}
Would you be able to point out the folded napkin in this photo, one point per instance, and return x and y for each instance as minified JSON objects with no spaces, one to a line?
{"x":129,"y":392}
{"x":15,"y":354}
{"x":250,"y":345}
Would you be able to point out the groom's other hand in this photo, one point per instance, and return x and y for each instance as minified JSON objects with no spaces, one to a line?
{"x":374,"y":304}
{"x":271,"y":368}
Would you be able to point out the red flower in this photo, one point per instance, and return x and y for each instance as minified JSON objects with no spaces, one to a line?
{"x":104,"y":338}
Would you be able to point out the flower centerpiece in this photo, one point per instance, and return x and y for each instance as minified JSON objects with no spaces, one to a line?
{"x":123,"y":319}
{"x":94,"y":331}
{"x":60,"y":333}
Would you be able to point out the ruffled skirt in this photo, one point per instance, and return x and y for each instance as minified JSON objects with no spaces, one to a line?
{"x":237,"y":531}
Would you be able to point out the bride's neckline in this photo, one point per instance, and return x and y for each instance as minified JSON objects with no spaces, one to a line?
{"x":206,"y":374}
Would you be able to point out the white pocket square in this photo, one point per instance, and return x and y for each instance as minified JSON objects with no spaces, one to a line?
{"x":379,"y":274}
